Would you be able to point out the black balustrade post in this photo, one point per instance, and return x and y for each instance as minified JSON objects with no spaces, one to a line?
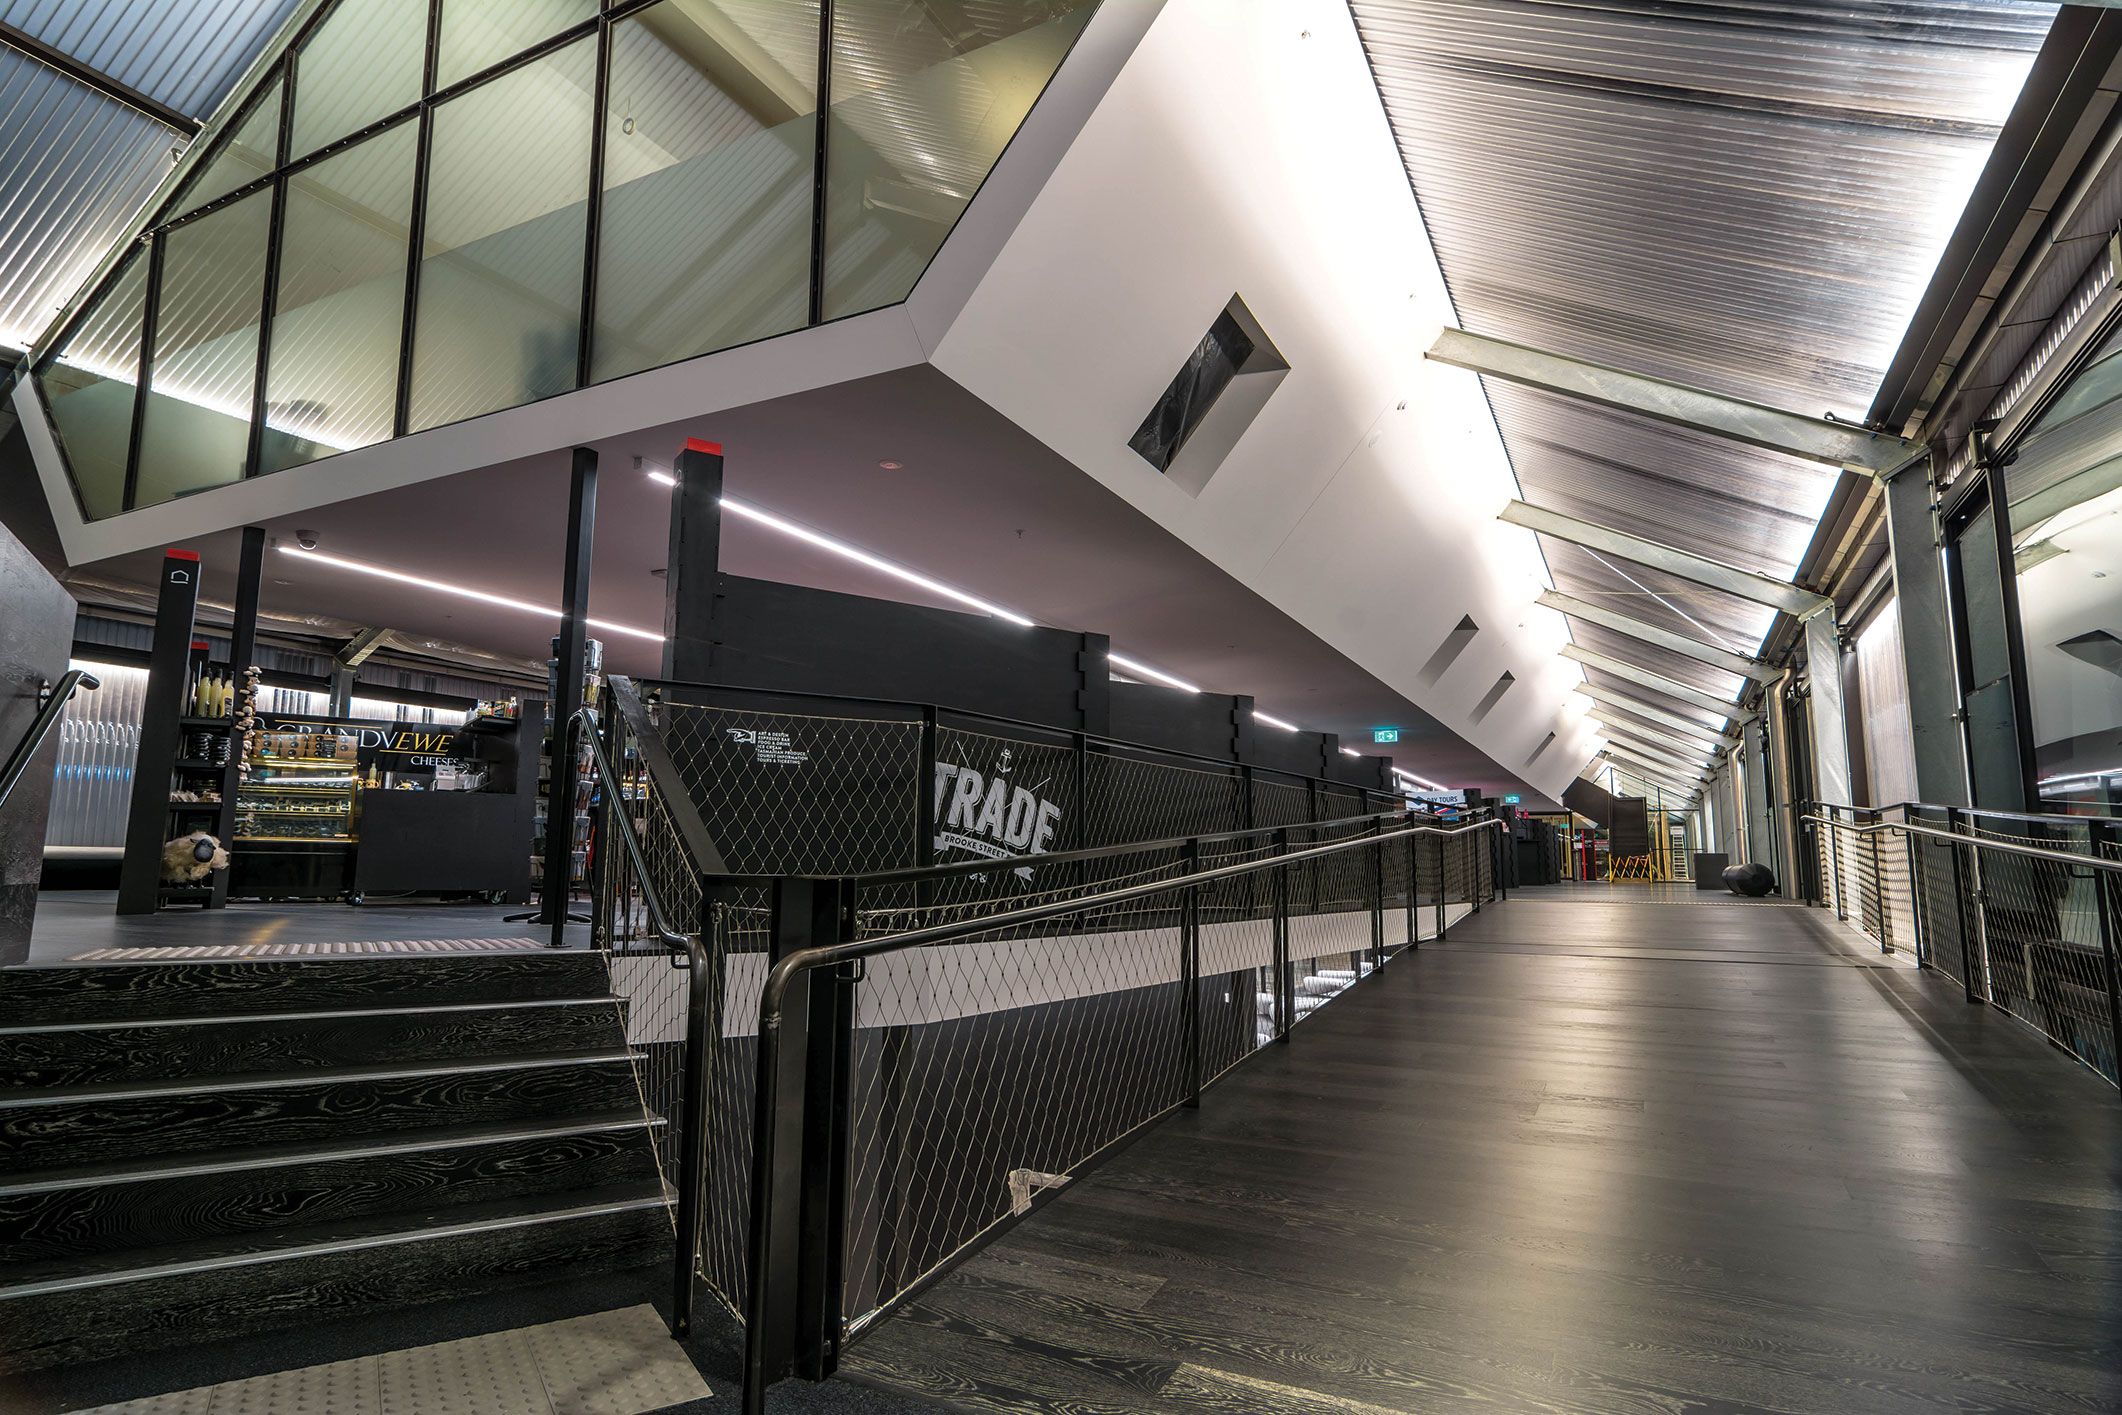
{"x":1918,"y":908}
{"x":1190,"y":973}
{"x":801,"y":1149}
{"x":1967,"y":932}
{"x":1285,"y":981}
{"x":1878,"y":885}
{"x":702,"y":1026}
{"x":1414,"y":878}
{"x":2106,"y":884}
{"x":1834,"y":849}
{"x":1441,"y":843}
{"x":1377,"y":899}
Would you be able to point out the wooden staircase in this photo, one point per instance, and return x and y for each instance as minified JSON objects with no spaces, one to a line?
{"x":198,"y":1150}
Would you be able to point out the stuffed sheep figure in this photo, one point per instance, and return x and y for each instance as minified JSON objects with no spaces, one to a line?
{"x":191,"y":858}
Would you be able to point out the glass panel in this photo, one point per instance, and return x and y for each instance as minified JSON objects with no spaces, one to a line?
{"x":362,"y":64}
{"x":501,"y":272}
{"x":204,"y":375}
{"x":708,"y":162}
{"x":90,"y":385}
{"x":332,"y":377}
{"x":2066,"y":519}
{"x":248,"y":155}
{"x":1988,"y":653}
{"x":920,"y":113}
{"x":477,"y":34}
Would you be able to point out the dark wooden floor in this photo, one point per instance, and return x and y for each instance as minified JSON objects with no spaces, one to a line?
{"x":1591,"y":1155}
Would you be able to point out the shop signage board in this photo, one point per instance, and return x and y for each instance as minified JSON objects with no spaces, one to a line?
{"x":391,"y":746}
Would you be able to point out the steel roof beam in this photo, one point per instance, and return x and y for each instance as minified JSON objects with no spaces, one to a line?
{"x":1622,"y":702}
{"x":1708,"y":744}
{"x":1663,"y":638}
{"x":1837,"y":444}
{"x":1647,"y":746}
{"x":1620,"y":752}
{"x":1652,"y":754}
{"x":89,"y":76}
{"x":1685,"y":564}
{"x":1675,"y":794}
{"x":1657,"y":682}
{"x":1664,"y":775}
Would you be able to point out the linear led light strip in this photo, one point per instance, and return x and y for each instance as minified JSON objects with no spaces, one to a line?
{"x":361,"y":567}
{"x":809,"y":537}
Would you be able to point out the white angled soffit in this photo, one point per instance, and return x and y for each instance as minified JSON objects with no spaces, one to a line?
{"x":897,"y":336}
{"x":1362,"y":497}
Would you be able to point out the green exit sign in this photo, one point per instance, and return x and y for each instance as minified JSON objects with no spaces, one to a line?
{"x":1510,"y":800}
{"x":1384,"y":735}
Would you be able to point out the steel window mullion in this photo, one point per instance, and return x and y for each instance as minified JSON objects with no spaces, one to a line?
{"x":150,"y":314}
{"x":276,"y":230}
{"x":823,"y":88}
{"x":592,"y":235}
{"x":416,"y":227}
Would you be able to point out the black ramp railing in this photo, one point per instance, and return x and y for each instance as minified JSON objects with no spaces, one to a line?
{"x":2021,"y":911}
{"x":49,"y":711}
{"x":919,"y":1087}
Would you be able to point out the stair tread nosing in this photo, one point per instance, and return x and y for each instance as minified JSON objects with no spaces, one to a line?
{"x":376,"y":1146}
{"x":188,"y":1085}
{"x":246,"y":1019}
{"x":210,"y":1254}
{"x":108,"y":991}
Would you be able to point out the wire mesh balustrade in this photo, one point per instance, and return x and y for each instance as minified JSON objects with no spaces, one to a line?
{"x":977,"y":1062}
{"x":2021,"y":911}
{"x":735,"y":827}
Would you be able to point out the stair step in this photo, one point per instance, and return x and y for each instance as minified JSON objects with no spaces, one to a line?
{"x":90,"y":1125}
{"x":199,"y":1291}
{"x":106,"y":1052}
{"x":109,"y":992}
{"x":70,"y":1216}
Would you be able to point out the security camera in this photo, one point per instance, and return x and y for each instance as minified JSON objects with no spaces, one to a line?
{"x":306,"y":539}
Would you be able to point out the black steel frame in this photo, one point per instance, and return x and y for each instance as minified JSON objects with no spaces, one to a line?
{"x":166,"y":217}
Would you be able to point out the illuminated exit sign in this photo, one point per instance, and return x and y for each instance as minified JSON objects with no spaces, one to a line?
{"x":1510,"y":800}
{"x":1384,"y":735}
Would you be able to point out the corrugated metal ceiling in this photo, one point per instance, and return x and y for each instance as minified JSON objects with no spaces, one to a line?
{"x":75,"y":166}
{"x":1746,"y":196}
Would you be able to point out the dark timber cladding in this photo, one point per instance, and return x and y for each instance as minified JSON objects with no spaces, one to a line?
{"x":1590,"y":1154}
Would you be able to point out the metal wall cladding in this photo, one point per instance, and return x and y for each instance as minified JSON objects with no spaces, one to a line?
{"x":75,"y":167}
{"x":1747,"y":197}
{"x":185,"y":53}
{"x":74,"y":170}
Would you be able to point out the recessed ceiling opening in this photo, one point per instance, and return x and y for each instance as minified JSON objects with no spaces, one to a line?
{"x":1448,"y":652}
{"x":1218,"y":391}
{"x":1494,"y":695}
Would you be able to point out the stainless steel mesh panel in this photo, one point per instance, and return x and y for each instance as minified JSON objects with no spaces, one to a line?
{"x":983,"y":1066}
{"x":797,"y":793}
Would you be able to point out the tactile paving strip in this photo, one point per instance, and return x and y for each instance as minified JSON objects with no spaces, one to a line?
{"x":608,"y":1363}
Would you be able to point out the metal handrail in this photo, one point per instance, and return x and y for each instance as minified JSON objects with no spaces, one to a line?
{"x":658,"y":916}
{"x":1980,"y":842}
{"x":912,"y":873}
{"x":773,"y":999}
{"x":48,"y":715}
{"x":692,"y":1151}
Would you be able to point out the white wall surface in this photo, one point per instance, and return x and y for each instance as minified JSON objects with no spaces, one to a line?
{"x":1243,"y":149}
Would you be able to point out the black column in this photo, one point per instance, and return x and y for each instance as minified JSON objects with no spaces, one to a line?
{"x":693,"y":563}
{"x":571,"y":649}
{"x":148,"y":821}
{"x":242,"y":653}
